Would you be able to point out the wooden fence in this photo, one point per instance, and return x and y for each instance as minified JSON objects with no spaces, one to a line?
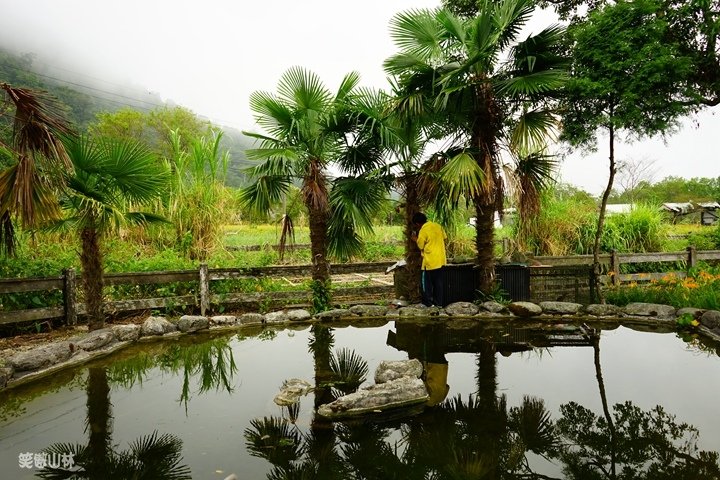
{"x":547,"y":282}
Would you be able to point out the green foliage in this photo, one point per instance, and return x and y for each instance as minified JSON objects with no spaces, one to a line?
{"x":701,"y":289}
{"x":627,"y":75}
{"x":640,"y":230}
{"x":321,"y":295}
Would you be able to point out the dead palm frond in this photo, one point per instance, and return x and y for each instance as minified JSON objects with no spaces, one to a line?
{"x":287,"y":234}
{"x":26,"y":188}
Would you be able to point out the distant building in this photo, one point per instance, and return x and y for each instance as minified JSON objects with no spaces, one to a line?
{"x":708,"y":211}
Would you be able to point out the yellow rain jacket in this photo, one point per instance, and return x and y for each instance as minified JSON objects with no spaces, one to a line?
{"x":431,"y":242}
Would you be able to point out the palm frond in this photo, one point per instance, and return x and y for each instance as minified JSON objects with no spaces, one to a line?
{"x":417,"y":32}
{"x":273,"y":439}
{"x":534,"y":129}
{"x":462,"y":176}
{"x":271,"y":113}
{"x":287,"y":235}
{"x":303,"y":89}
{"x":532,"y":84}
{"x":267,"y":191}
{"x":349,"y":368}
{"x":349,"y":82}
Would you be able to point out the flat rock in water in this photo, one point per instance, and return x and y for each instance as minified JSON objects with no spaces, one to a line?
{"x":334,"y":314}
{"x":291,"y":391}
{"x":298,"y":315}
{"x":649,"y":310}
{"x":127,"y":333}
{"x":156,"y":326}
{"x":602,"y":310}
{"x":397,"y":393}
{"x":560,"y":308}
{"x":41,"y":357}
{"x":250,"y":318}
{"x":710,"y":319}
{"x":393,"y":369}
{"x":276,"y":317}
{"x":193,"y":323}
{"x":96,"y":339}
{"x":369,"y":310}
{"x":492,"y":307}
{"x":223,"y":320}
{"x":462,"y":309}
{"x":525,"y":309}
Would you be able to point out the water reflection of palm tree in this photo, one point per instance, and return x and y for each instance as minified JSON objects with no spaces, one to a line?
{"x":150,"y":457}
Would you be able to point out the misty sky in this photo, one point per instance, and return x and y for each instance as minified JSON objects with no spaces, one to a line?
{"x":210,"y":55}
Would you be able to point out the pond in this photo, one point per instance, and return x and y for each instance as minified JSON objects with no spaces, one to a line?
{"x":508,"y":400}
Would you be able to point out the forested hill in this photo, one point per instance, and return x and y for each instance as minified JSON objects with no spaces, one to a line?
{"x":84,"y":98}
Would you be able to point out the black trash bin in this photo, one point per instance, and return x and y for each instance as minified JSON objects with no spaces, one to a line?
{"x":460,"y":283}
{"x":514,"y":280}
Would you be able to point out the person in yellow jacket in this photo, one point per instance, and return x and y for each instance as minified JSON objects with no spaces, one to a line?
{"x":430,"y":240}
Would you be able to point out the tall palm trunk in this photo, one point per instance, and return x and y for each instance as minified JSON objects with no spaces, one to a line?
{"x":484,"y":243}
{"x":485,"y":131}
{"x":92,"y":276}
{"x":318,"y":218}
{"x":413,"y":257}
{"x":315,"y":196}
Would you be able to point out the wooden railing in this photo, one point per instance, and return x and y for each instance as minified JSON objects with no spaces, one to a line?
{"x":377,"y":286}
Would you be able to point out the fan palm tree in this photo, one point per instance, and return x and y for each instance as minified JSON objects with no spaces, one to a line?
{"x":478,"y":77}
{"x":149,"y":457}
{"x":108,"y":179}
{"x":308,"y":130}
{"x":28,"y":185}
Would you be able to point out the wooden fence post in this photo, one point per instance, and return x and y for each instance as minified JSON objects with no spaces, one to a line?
{"x":615,"y":268}
{"x":69,"y":296}
{"x":692,"y":257}
{"x":204,"y":289}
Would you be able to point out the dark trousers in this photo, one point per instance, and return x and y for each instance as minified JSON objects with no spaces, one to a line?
{"x":432,"y":287}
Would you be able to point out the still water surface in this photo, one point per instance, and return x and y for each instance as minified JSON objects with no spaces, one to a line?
{"x":510,"y":401}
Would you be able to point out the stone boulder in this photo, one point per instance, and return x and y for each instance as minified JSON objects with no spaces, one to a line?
{"x":695,"y":313}
{"x":193,"y":323}
{"x":223,"y":320}
{"x":6,"y":373}
{"x":642,"y":309}
{"x":276,"y":317}
{"x":462,"y":309}
{"x":419,"y":311}
{"x":95,"y":340}
{"x":332,"y":315}
{"x":251,"y":318}
{"x":156,"y":326}
{"x":401,"y":392}
{"x":525,"y":309}
{"x":41,"y":357}
{"x":127,"y":333}
{"x":291,"y":391}
{"x":603,"y":310}
{"x":710,"y":319}
{"x":492,"y":307}
{"x":392,"y":369}
{"x":299,"y":315}
{"x":560,"y":308}
{"x":369,"y":310}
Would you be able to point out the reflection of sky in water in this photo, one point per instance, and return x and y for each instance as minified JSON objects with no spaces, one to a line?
{"x":648,"y":369}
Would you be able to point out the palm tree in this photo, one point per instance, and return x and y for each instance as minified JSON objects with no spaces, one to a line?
{"x":108,"y":179}
{"x":309,"y":129}
{"x":149,"y":457}
{"x":27,"y":187}
{"x":478,"y":78}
